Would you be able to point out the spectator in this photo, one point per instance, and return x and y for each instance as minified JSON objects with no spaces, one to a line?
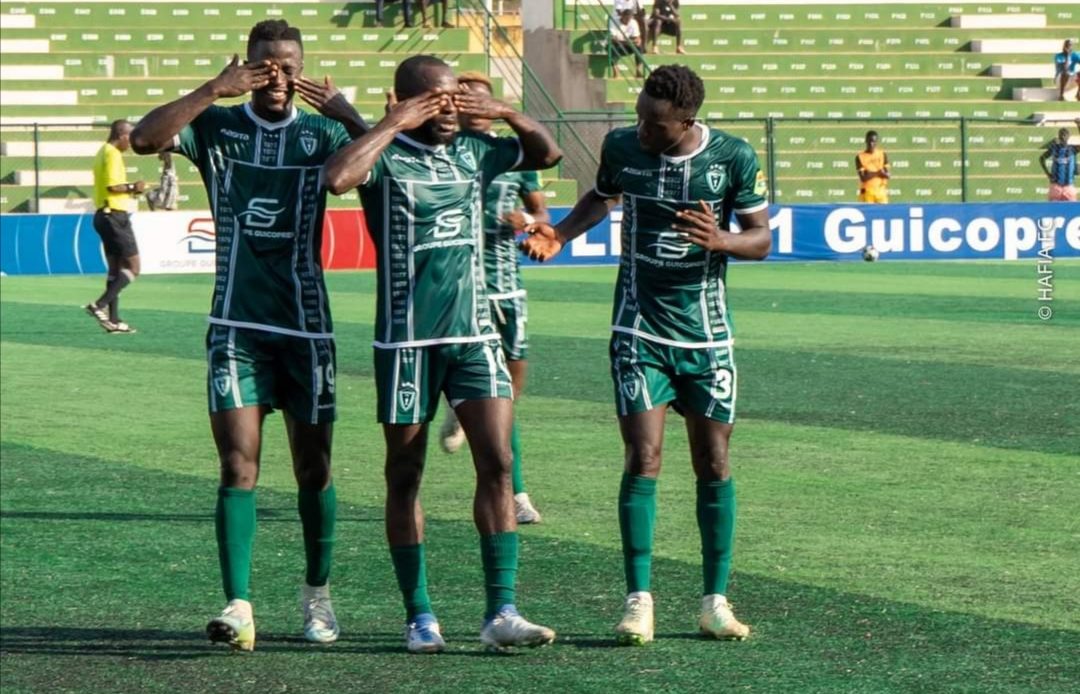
{"x":407,"y":6}
{"x":872,"y":165}
{"x":665,"y":20}
{"x":624,"y":38}
{"x":1067,"y":69}
{"x":114,"y":200}
{"x":164,"y":196}
{"x":636,"y":8}
{"x":1062,"y":172}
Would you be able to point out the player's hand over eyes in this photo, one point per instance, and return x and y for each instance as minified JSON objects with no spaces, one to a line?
{"x":238,"y":79}
{"x":479,"y":104}
{"x":699,"y":227}
{"x":326,"y":98}
{"x":542,"y":243}
{"x":413,"y":112}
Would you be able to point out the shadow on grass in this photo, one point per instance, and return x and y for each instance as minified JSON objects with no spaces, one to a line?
{"x":264,"y":515}
{"x":805,"y":638}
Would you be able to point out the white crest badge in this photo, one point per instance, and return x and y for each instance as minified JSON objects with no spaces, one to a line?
{"x":631,"y":388}
{"x":221,"y":384}
{"x":715,"y":177}
{"x":307,"y":143}
{"x":407,"y":398}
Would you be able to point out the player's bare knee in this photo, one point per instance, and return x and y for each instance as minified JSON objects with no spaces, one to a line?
{"x":403,"y":474}
{"x":643,"y":460}
{"x":239,"y":470}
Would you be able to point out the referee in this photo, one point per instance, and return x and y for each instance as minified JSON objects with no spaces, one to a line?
{"x":114,"y":197}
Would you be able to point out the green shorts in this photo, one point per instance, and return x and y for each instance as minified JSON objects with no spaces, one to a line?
{"x":511,"y":317}
{"x":409,"y":380}
{"x":255,"y":367}
{"x":649,"y":374}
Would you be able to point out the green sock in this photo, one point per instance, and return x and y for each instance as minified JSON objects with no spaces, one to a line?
{"x":234,"y":522}
{"x":411,"y":570}
{"x":318,"y":511}
{"x":499,"y":553}
{"x":716,"y":521}
{"x":516,"y":478}
{"x":637,"y":518}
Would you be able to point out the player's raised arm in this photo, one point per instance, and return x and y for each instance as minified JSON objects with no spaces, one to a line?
{"x":544,"y":241}
{"x":351,"y":165}
{"x":539,"y":149}
{"x":156,"y":130}
{"x":330,"y":102}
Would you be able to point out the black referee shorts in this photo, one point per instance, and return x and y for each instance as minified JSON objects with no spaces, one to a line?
{"x":114,"y":228}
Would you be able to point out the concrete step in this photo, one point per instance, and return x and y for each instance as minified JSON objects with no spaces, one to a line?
{"x":1037,"y":93}
{"x":998,"y":21}
{"x":1056,"y":118}
{"x":1043,"y":71}
{"x":1047,"y":46}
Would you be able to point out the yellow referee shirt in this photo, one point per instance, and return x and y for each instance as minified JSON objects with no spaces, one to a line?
{"x":109,"y":171}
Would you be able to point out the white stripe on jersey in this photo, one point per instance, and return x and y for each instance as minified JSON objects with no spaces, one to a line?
{"x":316,"y":377}
{"x":394,"y":384}
{"x":410,"y":215}
{"x":671,"y":343}
{"x":296,"y":254}
{"x":269,"y":328}
{"x":234,"y":378}
{"x":435,"y":341}
{"x":385,"y":256}
{"x":418,"y":370}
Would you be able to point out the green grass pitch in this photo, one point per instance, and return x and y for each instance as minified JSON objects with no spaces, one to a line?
{"x":907,"y":455}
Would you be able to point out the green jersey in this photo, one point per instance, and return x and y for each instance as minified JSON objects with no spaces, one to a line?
{"x":424,"y":208}
{"x":267,"y":197}
{"x":669,"y":290}
{"x":501,"y":268}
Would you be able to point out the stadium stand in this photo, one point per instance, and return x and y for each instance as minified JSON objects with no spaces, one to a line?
{"x":801,"y":82}
{"x":73,"y":67}
{"x":853,"y":67}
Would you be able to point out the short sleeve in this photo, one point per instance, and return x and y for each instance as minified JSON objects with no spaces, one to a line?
{"x":498,"y":155}
{"x":192,"y":140}
{"x":115,"y":173}
{"x":377,"y":173}
{"x":748,"y":183}
{"x":606,"y":176}
{"x":337,"y":136}
{"x":530,"y":182}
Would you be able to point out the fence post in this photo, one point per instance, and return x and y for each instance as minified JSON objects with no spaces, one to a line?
{"x":37,"y":169}
{"x":963,"y":159}
{"x":770,"y":164}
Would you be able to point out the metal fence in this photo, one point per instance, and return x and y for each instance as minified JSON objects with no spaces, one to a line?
{"x":48,"y":167}
{"x":932,"y":160}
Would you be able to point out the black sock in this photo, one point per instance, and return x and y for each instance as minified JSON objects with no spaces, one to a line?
{"x":123,"y":279}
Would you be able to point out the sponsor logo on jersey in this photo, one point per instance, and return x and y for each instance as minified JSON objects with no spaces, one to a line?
{"x":670,"y":245}
{"x":715,"y":177}
{"x":449,"y":223}
{"x":637,"y":172}
{"x":403,"y":158}
{"x":308,"y":142}
{"x":262,"y":213}
{"x":761,"y":186}
{"x":235,"y":135}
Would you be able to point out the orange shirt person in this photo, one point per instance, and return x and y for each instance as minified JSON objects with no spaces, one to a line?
{"x":872,"y":165}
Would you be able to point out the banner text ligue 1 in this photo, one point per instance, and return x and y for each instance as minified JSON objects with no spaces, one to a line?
{"x":33,"y":244}
{"x":899,"y":232}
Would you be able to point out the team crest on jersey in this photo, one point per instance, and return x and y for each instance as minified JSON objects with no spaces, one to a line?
{"x":715,"y":177}
{"x":222,"y":381}
{"x":469,"y":158}
{"x":406,"y":396}
{"x":631,"y":388}
{"x":308,"y":142}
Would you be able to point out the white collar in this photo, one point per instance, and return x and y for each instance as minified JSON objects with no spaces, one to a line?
{"x":700,"y":148}
{"x":270,"y":125}
{"x":420,"y":145}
